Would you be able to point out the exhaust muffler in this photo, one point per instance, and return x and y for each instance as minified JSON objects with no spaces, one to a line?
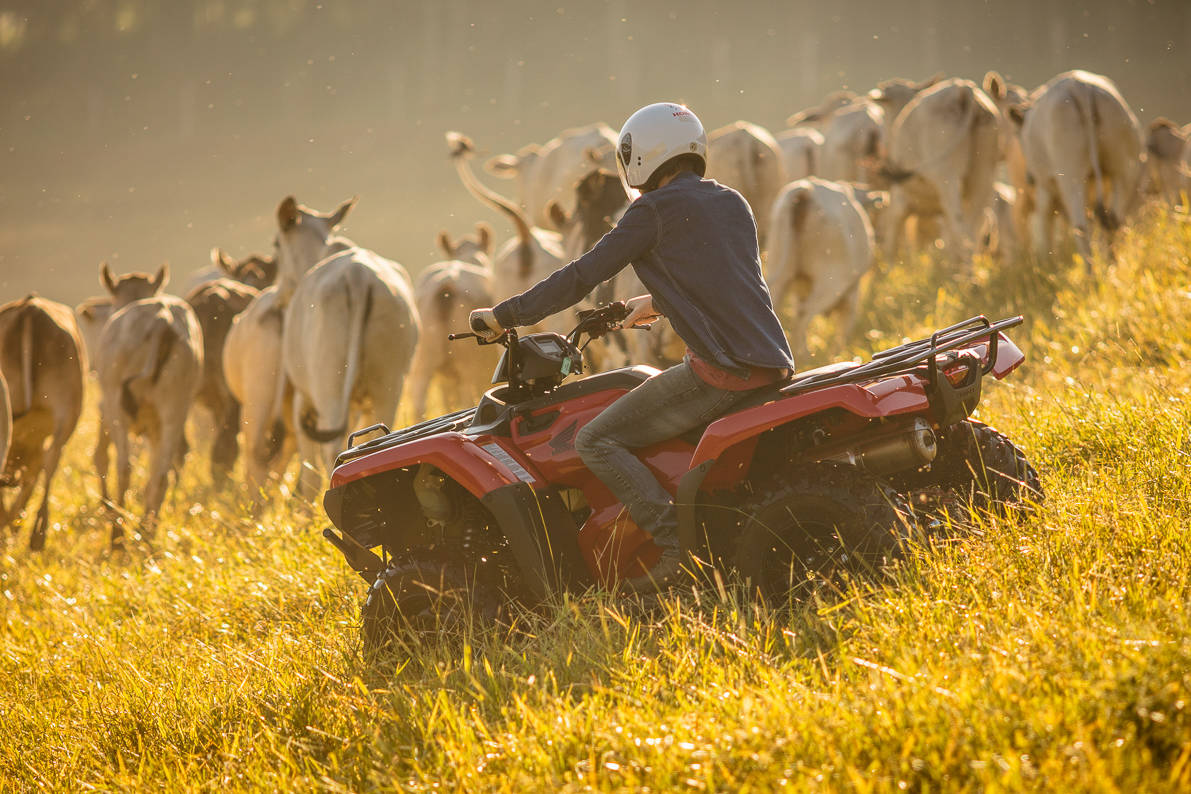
{"x":908,"y":447}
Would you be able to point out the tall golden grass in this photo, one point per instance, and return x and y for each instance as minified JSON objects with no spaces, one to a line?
{"x":1051,"y":654}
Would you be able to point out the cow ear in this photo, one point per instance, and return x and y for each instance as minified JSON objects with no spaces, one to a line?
{"x":105,"y":277}
{"x":557,"y":215}
{"x":444,"y":243}
{"x":1017,"y":114}
{"x":250,"y":269}
{"x":503,"y":165}
{"x":221,"y":260}
{"x":336,"y":217}
{"x":288,"y":215}
{"x":484,"y":235}
{"x":161,"y":279}
{"x":994,"y":86}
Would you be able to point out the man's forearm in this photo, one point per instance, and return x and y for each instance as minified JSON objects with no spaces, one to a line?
{"x":560,"y":290}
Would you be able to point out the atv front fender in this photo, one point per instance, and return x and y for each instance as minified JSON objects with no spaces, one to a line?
{"x":546,"y":558}
{"x":459,"y":456}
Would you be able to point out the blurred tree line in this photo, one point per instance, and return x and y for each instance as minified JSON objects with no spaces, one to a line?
{"x":143,"y":130}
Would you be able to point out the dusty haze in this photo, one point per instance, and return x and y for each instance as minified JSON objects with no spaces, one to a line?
{"x":143,"y":132}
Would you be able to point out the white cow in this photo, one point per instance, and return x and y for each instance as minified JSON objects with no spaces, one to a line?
{"x":476,"y":249}
{"x":801,"y":149}
{"x":943,"y":152}
{"x":255,"y":376}
{"x":446,"y":293}
{"x":150,"y":364}
{"x":1001,"y":240}
{"x":817,"y":117}
{"x":894,"y":94}
{"x":548,"y":172}
{"x":853,"y":139}
{"x":822,"y":245}
{"x":254,"y":270}
{"x":531,"y":255}
{"x":42,"y":360}
{"x":1168,"y":149}
{"x":1005,"y":95}
{"x":349,"y":332}
{"x":1078,"y":133}
{"x":92,"y":315}
{"x":746,"y":157}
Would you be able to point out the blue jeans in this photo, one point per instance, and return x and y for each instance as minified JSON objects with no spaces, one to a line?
{"x":663,"y":407}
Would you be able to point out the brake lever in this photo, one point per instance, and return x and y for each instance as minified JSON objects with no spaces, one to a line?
{"x":479,"y":339}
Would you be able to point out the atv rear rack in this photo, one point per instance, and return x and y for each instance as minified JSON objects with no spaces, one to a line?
{"x":908,"y":357}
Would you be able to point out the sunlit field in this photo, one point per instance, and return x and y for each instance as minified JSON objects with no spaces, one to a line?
{"x":1052,"y":653}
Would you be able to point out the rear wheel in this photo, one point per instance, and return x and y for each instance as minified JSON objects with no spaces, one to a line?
{"x":982,"y":467}
{"x":815,"y":522}
{"x":422,"y":594}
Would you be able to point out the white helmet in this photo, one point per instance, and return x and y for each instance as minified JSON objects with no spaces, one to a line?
{"x":654,"y":134}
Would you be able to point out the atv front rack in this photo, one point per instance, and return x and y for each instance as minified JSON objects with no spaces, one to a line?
{"x":948,"y":396}
{"x":440,"y":424}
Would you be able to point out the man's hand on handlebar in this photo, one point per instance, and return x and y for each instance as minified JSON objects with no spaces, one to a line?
{"x":641,"y":312}
{"x":483,"y":323}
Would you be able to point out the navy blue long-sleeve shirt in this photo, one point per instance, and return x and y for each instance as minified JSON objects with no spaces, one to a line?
{"x":693,"y":244}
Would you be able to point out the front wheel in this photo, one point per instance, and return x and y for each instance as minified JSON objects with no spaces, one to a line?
{"x":814,"y":522}
{"x":423,"y":594}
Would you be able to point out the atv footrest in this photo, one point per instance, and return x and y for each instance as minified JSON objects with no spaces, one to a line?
{"x":362,"y":561}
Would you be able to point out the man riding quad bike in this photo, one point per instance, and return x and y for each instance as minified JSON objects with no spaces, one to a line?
{"x":623,"y":477}
{"x":804,"y":477}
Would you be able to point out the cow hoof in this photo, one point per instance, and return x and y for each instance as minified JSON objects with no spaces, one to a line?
{"x":37,"y":537}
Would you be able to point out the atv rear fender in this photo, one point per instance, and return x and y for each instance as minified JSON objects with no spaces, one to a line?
{"x":722,"y":454}
{"x":889,"y":396}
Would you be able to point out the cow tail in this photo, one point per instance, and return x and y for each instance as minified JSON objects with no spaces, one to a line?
{"x":274,"y":436}
{"x":27,"y":363}
{"x":461,"y":149}
{"x":1091,"y":120}
{"x":5,"y":431}
{"x":309,"y":420}
{"x":784,"y":264}
{"x":161,"y":345}
{"x":444,"y":300}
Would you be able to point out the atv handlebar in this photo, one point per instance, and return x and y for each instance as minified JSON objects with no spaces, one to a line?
{"x":594,"y":322}
{"x":599,"y":321}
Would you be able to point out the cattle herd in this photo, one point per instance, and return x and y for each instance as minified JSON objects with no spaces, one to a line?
{"x":285,"y":353}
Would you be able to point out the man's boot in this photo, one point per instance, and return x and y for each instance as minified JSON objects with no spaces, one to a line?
{"x":666,"y":572}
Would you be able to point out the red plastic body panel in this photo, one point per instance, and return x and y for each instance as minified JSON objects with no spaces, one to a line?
{"x":898,"y":395}
{"x":1009,"y":357}
{"x":462,"y":456}
{"x":611,"y":543}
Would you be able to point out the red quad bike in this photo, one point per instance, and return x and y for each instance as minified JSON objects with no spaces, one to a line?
{"x":805,"y":477}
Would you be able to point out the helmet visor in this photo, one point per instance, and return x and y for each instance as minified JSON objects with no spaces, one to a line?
{"x":629,"y":190}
